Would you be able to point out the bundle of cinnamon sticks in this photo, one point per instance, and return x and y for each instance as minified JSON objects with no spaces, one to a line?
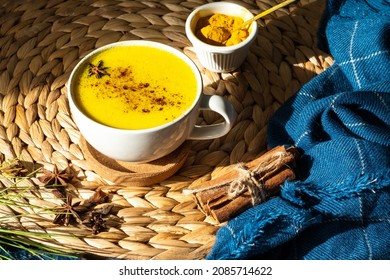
{"x":246,"y":185}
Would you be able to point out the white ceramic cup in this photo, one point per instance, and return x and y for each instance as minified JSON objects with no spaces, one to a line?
{"x":146,"y":145}
{"x":220,"y":59}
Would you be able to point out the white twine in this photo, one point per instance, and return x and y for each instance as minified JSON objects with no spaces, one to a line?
{"x":247,"y":180}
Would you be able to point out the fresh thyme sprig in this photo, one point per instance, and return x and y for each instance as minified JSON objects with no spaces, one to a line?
{"x":22,"y":199}
{"x":15,"y":193}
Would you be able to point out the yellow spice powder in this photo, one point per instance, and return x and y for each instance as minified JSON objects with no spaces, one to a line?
{"x":221,"y":30}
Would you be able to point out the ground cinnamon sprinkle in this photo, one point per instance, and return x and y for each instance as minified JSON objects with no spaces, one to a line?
{"x":136,"y":95}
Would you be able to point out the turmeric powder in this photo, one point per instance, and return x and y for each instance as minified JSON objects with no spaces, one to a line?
{"x":221,"y":30}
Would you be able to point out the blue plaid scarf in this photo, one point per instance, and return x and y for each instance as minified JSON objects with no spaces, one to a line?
{"x":339,"y":207}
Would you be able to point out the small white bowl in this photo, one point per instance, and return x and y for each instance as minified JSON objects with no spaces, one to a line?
{"x":220,"y":59}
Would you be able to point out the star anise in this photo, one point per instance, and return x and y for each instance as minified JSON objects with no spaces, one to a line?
{"x":55,"y":177}
{"x":98,"y":70}
{"x":96,"y":220}
{"x":68,"y":210}
{"x":98,"y":197}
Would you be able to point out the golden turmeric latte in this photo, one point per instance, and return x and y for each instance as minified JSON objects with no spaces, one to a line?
{"x":130,"y":87}
{"x":221,"y":30}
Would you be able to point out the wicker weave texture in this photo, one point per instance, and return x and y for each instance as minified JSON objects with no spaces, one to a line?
{"x":41,"y":42}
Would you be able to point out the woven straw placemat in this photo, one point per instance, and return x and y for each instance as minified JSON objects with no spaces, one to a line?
{"x":41,"y":42}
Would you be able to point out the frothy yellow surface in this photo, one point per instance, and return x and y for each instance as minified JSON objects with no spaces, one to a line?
{"x":144,"y":87}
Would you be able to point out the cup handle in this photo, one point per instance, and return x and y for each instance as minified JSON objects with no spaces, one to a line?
{"x":223,"y":107}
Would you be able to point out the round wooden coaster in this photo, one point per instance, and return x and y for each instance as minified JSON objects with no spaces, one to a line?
{"x":135,"y":174}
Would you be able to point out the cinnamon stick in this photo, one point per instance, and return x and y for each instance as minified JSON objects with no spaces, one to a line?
{"x":246,"y":185}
